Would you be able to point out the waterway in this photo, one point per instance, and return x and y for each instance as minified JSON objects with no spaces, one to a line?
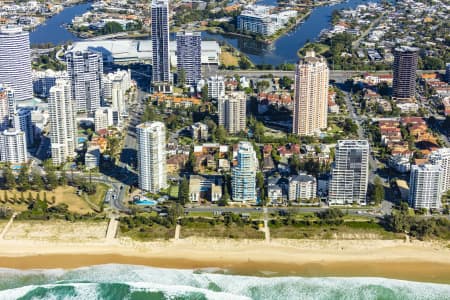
{"x":53,"y":30}
{"x":283,"y":50}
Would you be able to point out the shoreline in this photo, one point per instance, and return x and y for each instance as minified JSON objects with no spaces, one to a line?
{"x":416,"y":261}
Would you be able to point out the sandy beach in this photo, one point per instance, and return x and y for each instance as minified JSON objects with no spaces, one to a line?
{"x":44,"y":245}
{"x":420,"y":261}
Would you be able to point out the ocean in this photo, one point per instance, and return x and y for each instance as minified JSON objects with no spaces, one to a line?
{"x":115,"y":281}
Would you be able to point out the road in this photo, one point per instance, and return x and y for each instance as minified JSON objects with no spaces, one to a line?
{"x":336,"y":75}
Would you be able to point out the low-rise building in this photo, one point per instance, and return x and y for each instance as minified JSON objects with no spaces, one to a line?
{"x":202,"y":188}
{"x":302,"y":187}
{"x":92,"y":157}
{"x":199,"y":131}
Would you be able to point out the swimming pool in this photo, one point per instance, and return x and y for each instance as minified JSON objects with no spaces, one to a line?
{"x":145,"y":201}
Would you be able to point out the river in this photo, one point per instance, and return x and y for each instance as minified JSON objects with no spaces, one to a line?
{"x":283,"y":50}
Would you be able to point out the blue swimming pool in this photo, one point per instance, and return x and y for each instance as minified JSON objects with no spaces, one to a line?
{"x":145,"y":201}
{"x":82,"y":139}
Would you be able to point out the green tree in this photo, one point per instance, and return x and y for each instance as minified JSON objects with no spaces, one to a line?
{"x":52,"y":179}
{"x":38,"y":183}
{"x":225,"y":197}
{"x":221,"y":134}
{"x":183,"y":192}
{"x":244,"y":63}
{"x":10,"y":180}
{"x":182,"y":78}
{"x":112,"y":27}
{"x":63,"y":178}
{"x":377,"y":192}
{"x":23,"y":180}
{"x":205,"y":92}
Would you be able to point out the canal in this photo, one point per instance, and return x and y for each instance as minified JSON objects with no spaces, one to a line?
{"x":283,"y":50}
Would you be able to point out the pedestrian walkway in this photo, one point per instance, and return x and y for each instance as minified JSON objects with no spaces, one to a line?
{"x":111,"y":232}
{"x":8,"y":225}
{"x":177,"y":232}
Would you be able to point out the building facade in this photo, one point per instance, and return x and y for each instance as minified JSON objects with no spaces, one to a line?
{"x":151,"y":137}
{"x":115,"y":87}
{"x":425,"y":183}
{"x":189,"y":56}
{"x":302,"y":187}
{"x":216,"y":87}
{"x":105,"y":117}
{"x":441,"y":157}
{"x":350,"y":173}
{"x":161,"y":77}
{"x":23,"y":122}
{"x":85,"y":69}
{"x":15,"y":61}
{"x":405,"y":66}
{"x":63,"y":127}
{"x":232,"y":111}
{"x":7,"y":107}
{"x":310,"y":95}
{"x":44,"y":80}
{"x":244,"y":174}
{"x":13,"y":146}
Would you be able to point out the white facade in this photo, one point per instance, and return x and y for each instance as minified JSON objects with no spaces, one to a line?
{"x":441,"y":157}
{"x":302,"y":187}
{"x":310,"y":95}
{"x":151,"y":137}
{"x":216,"y":87}
{"x":13,"y":146}
{"x":105,"y":117}
{"x":425,"y":184}
{"x":7,"y":107}
{"x":350,"y":173}
{"x":92,"y":157}
{"x":244,"y":174}
{"x":63,"y":125}
{"x":232,"y":111}
{"x":44,"y":80}
{"x":85,"y":71}
{"x":115,"y":86}
{"x":15,"y":61}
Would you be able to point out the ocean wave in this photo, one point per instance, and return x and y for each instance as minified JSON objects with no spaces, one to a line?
{"x":139,"y":282}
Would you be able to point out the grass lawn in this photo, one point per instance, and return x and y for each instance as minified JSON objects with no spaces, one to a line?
{"x":227,"y":58}
{"x":173,"y":192}
{"x":98,"y":198}
{"x":63,"y":194}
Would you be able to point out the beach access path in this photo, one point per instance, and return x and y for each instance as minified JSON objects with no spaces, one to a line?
{"x":8,"y":225}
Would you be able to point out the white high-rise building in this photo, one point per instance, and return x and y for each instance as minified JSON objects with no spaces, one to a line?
{"x":189,"y":56}
{"x":7,"y":107}
{"x":44,"y":80}
{"x":425,"y":183}
{"x":23,"y":122}
{"x":151,"y":137}
{"x":244,"y":174}
{"x":63,"y":125}
{"x":105,"y":117}
{"x":350,"y":173}
{"x":161,"y":77}
{"x":115,"y":86}
{"x":310,"y":95}
{"x":232,"y":111}
{"x":13,"y":146}
{"x":441,"y":157}
{"x":216,"y":87}
{"x":85,"y":69}
{"x":15,"y":61}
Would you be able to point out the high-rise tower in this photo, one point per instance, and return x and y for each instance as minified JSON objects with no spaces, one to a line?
{"x":161,"y":78}
{"x":405,"y":66}
{"x":189,"y":56}
{"x":310,"y":95}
